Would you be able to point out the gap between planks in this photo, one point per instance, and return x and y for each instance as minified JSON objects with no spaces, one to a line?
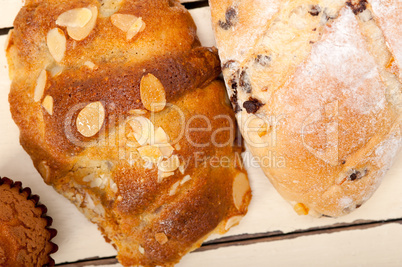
{"x":248,"y":239}
{"x":197,"y":4}
{"x":4,"y":31}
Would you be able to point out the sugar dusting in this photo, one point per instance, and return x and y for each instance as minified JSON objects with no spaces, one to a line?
{"x":249,"y":28}
{"x":385,"y":153}
{"x":340,"y":71}
{"x":345,"y":202}
{"x":383,"y":157}
{"x":340,"y":59}
{"x":387,"y":12}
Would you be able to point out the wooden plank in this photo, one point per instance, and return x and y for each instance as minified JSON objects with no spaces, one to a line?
{"x":377,"y":245}
{"x":380,"y":246}
{"x":202,"y":18}
{"x":268,"y":213}
{"x":9,"y":9}
{"x":272,"y":237}
{"x":248,"y":239}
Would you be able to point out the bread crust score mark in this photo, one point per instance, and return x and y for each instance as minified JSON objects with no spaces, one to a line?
{"x":327,"y":76}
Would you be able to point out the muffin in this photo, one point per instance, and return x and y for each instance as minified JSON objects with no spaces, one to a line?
{"x":25,"y":236}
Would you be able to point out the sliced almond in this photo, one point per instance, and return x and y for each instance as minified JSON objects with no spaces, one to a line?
{"x":161,"y":238}
{"x":90,"y":65}
{"x":108,"y":7}
{"x":137,"y":112}
{"x":141,"y":249}
{"x":169,"y":165}
{"x":163,"y":175}
{"x":40,"y":86}
{"x":149,"y":165}
{"x":173,"y":189}
{"x":240,"y":187}
{"x":233,"y":221}
{"x":142,"y":128}
{"x":182,"y":167}
{"x":160,"y":136}
{"x":113,"y":187}
{"x":80,"y":33}
{"x":132,"y":141}
{"x":90,"y":119}
{"x":55,"y":69}
{"x":97,"y":182}
{"x":123,"y":21}
{"x":77,"y":17}
{"x":47,"y":104}
{"x":167,"y":174}
{"x":153,"y":95}
{"x":78,"y":199}
{"x":100,"y":210}
{"x":150,"y":153}
{"x":137,"y":27}
{"x":166,"y":150}
{"x":89,"y":178}
{"x":185,"y":179}
{"x":89,"y":202}
{"x":56,"y":43}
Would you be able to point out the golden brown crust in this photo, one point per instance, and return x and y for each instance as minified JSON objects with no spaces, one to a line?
{"x":151,"y":212}
{"x":178,"y":73}
{"x":316,"y":90}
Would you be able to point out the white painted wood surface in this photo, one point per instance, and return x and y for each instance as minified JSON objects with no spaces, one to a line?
{"x":268,"y":212}
{"x":8,"y":10}
{"x":375,"y":247}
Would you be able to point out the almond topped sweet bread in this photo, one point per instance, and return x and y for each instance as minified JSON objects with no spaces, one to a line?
{"x":316,"y":87}
{"x":118,"y":107}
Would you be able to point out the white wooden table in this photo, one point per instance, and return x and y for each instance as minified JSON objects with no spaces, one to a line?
{"x":270,"y":235}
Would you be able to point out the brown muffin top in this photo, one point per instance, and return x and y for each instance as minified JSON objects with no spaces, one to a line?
{"x":24,"y":234}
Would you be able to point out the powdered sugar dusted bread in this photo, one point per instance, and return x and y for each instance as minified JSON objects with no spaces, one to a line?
{"x":316,"y":87}
{"x":118,"y":108}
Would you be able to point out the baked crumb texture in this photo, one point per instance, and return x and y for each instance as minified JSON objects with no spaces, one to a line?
{"x":322,"y":80}
{"x":25,"y":233}
{"x":104,"y":93}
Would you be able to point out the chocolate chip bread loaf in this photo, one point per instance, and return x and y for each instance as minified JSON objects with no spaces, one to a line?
{"x":118,"y":108}
{"x":316,"y":87}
